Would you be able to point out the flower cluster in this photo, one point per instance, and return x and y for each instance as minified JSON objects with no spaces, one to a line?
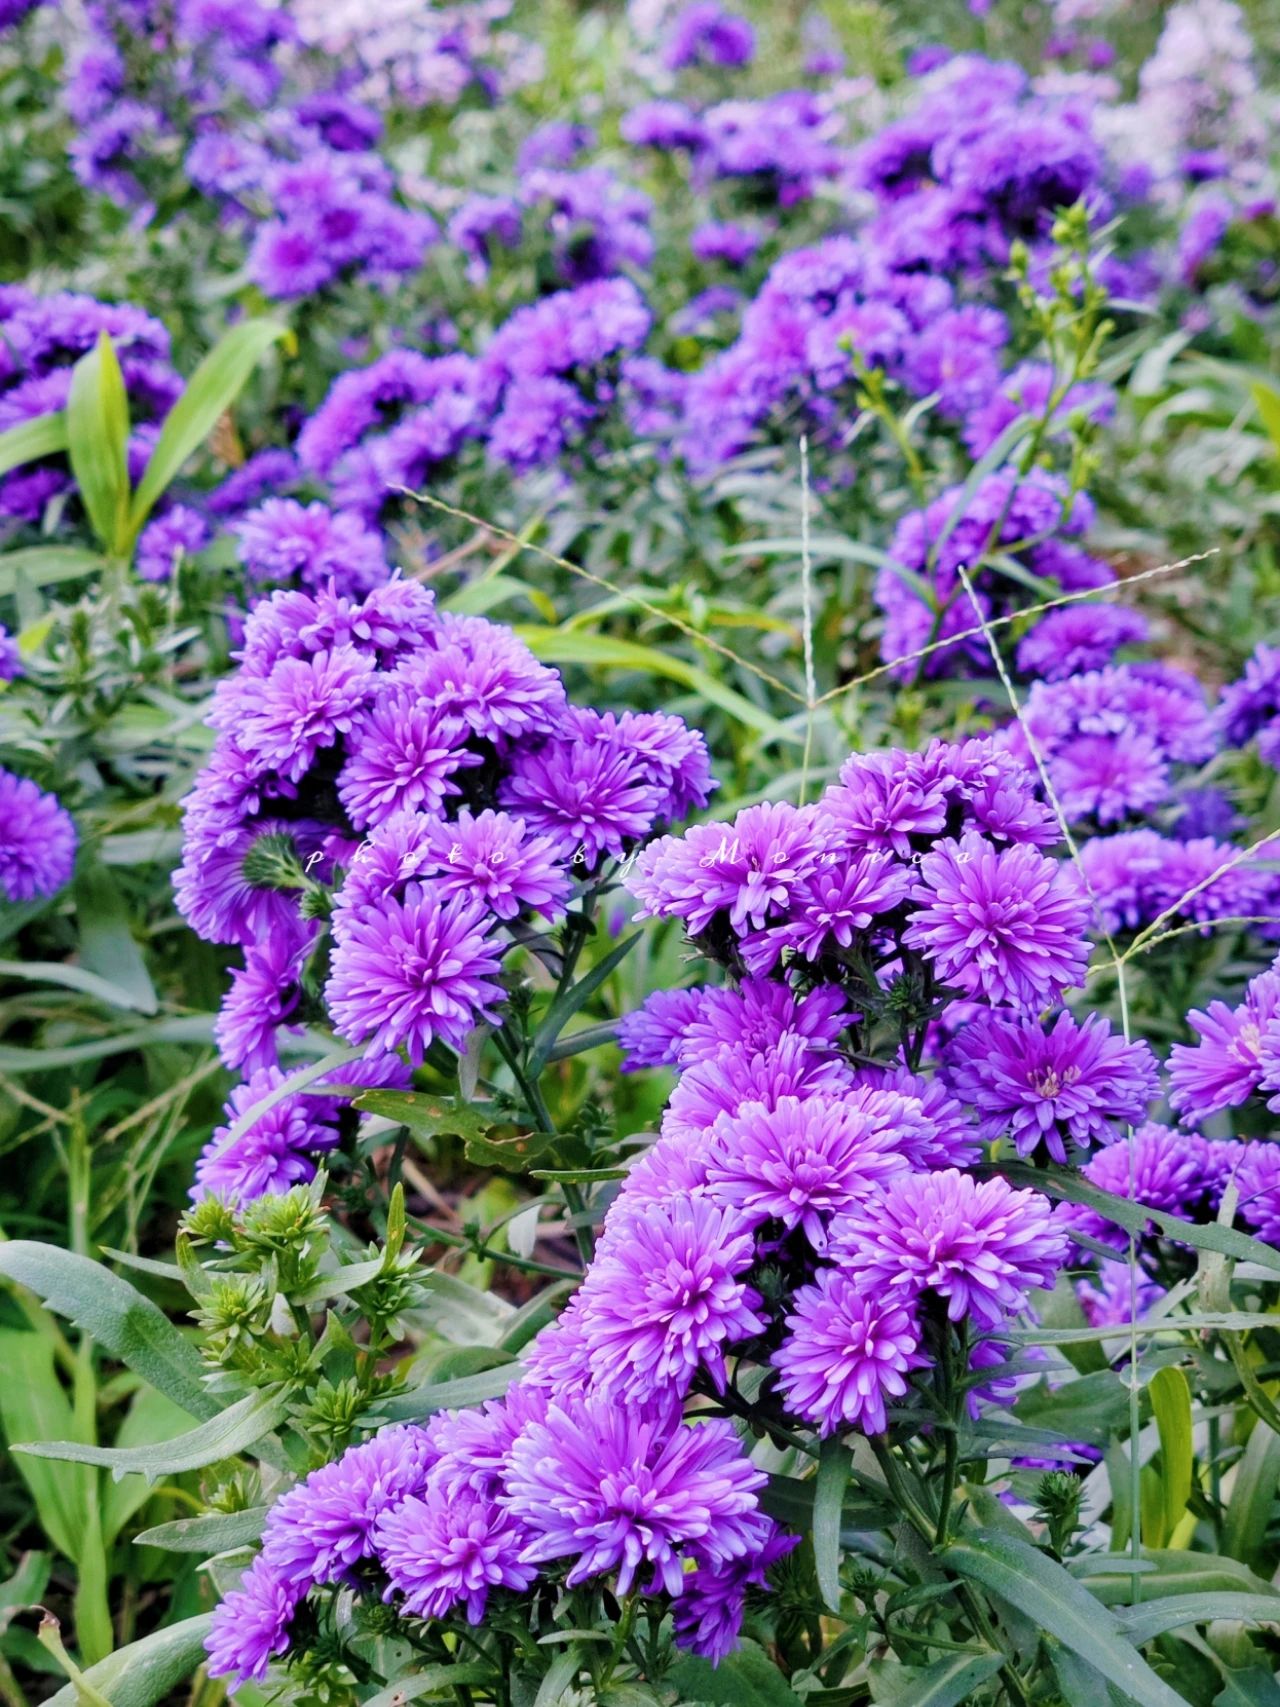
{"x":37,"y":840}
{"x":394,"y":793}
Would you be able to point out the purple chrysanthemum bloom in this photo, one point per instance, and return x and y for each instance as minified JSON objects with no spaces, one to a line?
{"x":251,"y":1625}
{"x":276,"y":1152}
{"x":10,"y":656}
{"x":800,"y":1162}
{"x":955,"y":358}
{"x":1257,"y":1179}
{"x":666,"y":125}
{"x":1077,"y":639}
{"x":746,"y":869}
{"x":1116,"y":1295}
{"x":662,"y":748}
{"x":1251,"y":706}
{"x":169,"y":540}
{"x":448,"y":1548}
{"x":615,"y":1490}
{"x":882,"y":802}
{"x":1168,"y":1170}
{"x":1109,"y":777}
{"x":830,"y":907}
{"x":302,"y":707}
{"x":1205,"y":812}
{"x":474,"y":1444}
{"x":849,"y":1346}
{"x":557,"y":1364}
{"x":1005,"y":925}
{"x":264,"y":993}
{"x":413,"y":972}
{"x":538,"y":418}
{"x":1072,"y":1084}
{"x":37,"y":840}
{"x":486,"y":676}
{"x":1227,"y":1065}
{"x":705,"y":33}
{"x":589,"y":799}
{"x":483,"y":224}
{"x":652,"y":1035}
{"x":491,"y":857}
{"x":707,"y":1618}
{"x":283,"y":540}
{"x":402,"y":756}
{"x":757,"y":1015}
{"x":212,"y":892}
{"x":981,"y":1246}
{"x":728,"y":242}
{"x":322,"y":1528}
{"x":666,"y":1296}
{"x":727,"y":1080}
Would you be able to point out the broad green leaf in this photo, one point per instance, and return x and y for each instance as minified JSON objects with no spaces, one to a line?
{"x":745,"y":1678}
{"x":1171,"y":1403}
{"x":33,"y":1406}
{"x":232,"y":1431}
{"x":98,"y":442}
{"x":47,"y":565}
{"x":107,"y":945}
{"x":427,"y":1115}
{"x":1144,"y":1623}
{"x":216,"y":1532}
{"x":457,"y":1395}
{"x":68,"y":977}
{"x":145,"y":1672}
{"x":828,"y":1499}
{"x":45,"y":436}
{"x":1253,"y":1687}
{"x":555,"y":646}
{"x":1253,"y":1496}
{"x":1054,"y":1601}
{"x":564,"y":1671}
{"x":573,"y":1000}
{"x":947,"y":1683}
{"x":209,"y":393}
{"x":25,"y":1587}
{"x":116,"y":1315}
{"x":150,"y":1420}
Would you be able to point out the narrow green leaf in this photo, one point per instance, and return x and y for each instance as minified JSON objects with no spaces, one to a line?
{"x":745,"y":1678}
{"x":34,"y":1406}
{"x":426,"y":1681}
{"x":217,"y":1532}
{"x":1145,"y":1623}
{"x":427,"y":1115}
{"x":145,"y":1672}
{"x":107,"y":944}
{"x":573,"y":1000}
{"x":1173,"y":1572}
{"x":947,"y":1683}
{"x":45,"y":436}
{"x":47,"y":565}
{"x":232,"y":1431}
{"x":68,"y":977}
{"x":1171,"y":1403}
{"x":564,"y":1670}
{"x":1052,"y":1599}
{"x":116,"y":1315}
{"x":98,"y":442}
{"x":209,"y":393}
{"x":828,"y":1501}
{"x":459,"y":1395}
{"x":1253,"y":1496}
{"x":1268,"y":400}
{"x":791,"y":1502}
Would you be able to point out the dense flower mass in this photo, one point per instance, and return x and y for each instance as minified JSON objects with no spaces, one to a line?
{"x":37,"y":840}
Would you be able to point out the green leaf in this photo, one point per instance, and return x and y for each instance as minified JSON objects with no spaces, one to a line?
{"x":209,"y":393}
{"x":68,"y":977}
{"x":828,"y":1501}
{"x":107,"y":945}
{"x":45,"y":436}
{"x":1172,"y":1573}
{"x":745,"y":1678}
{"x":1054,"y":1601}
{"x":150,"y":1419}
{"x":124,"y":1323}
{"x":216,"y":1532}
{"x":563,"y":1672}
{"x":1268,"y":401}
{"x":1171,"y":1403}
{"x":459,"y":1395}
{"x":427,"y":1115}
{"x":1252,"y":1497}
{"x":146,"y":1671}
{"x":573,"y":1000}
{"x":555,"y":646}
{"x":947,"y":1683}
{"x":1251,"y":1688}
{"x":98,"y":442}
{"x":1145,"y":1623}
{"x":46,"y":565}
{"x":33,"y":1406}
{"x":791,"y":1502}
{"x":433,"y":1680}
{"x":223,"y":1436}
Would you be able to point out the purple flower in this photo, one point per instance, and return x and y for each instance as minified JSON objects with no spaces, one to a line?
{"x":1109,"y":777}
{"x":1257,"y":1181}
{"x":705,"y":33}
{"x":665,"y":1297}
{"x":1159,"y":1166}
{"x":251,"y":1625}
{"x":1251,"y":706}
{"x":493,"y":858}
{"x":413,"y":972}
{"x":322,"y":1528}
{"x":1004,"y":925}
{"x":484,"y":675}
{"x":733,"y":244}
{"x":849,"y":1347}
{"x":756,"y":1017}
{"x":537,"y":420}
{"x":290,"y":260}
{"x":1227,"y":1065}
{"x":932,"y":1130}
{"x":263,"y":995}
{"x":800,"y":1162}
{"x":1077,"y":639}
{"x":403,"y":755}
{"x":980,"y":1246}
{"x":615,"y":1489}
{"x":485,"y":223}
{"x":1071,"y":1084}
{"x":589,"y":799}
{"x":312,"y":546}
{"x":956,"y":358}
{"x":707,"y":1618}
{"x":276,"y":1152}
{"x":831,"y":906}
{"x":37,"y":840}
{"x":556,"y":143}
{"x":448,"y":1548}
{"x":1027,"y":391}
{"x":10,"y":656}
{"x":303,"y":706}
{"x":652,"y":1035}
{"x":667,"y":125}
{"x":662,"y":748}
{"x":169,"y":540}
